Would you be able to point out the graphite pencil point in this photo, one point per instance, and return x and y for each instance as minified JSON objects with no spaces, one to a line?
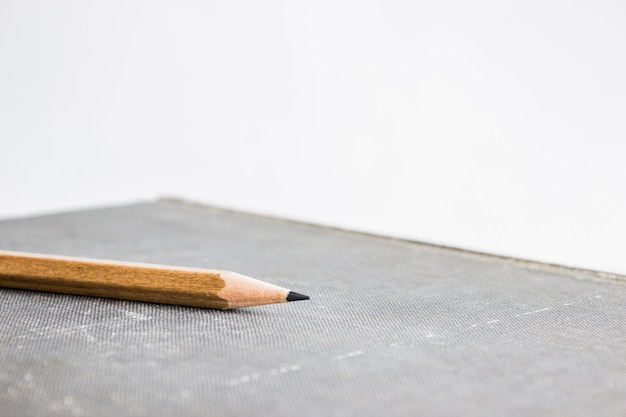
{"x":294,"y":296}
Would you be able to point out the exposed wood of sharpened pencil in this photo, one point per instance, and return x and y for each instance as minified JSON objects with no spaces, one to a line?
{"x":140,"y":282}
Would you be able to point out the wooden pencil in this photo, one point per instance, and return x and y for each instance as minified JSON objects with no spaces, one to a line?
{"x":140,"y":282}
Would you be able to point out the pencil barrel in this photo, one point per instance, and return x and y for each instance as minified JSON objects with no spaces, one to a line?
{"x":138,"y":282}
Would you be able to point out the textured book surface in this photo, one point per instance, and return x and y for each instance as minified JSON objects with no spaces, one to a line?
{"x":392,"y":327}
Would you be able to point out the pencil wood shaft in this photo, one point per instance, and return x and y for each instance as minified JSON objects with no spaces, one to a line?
{"x":133,"y":281}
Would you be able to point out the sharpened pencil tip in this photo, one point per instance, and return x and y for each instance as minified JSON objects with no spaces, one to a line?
{"x":294,"y":296}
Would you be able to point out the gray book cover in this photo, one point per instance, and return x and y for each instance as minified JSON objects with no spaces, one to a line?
{"x":392,"y":328}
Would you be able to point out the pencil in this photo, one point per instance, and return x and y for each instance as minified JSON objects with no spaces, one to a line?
{"x":138,"y":282}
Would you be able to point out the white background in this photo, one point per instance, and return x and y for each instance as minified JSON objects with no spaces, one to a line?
{"x":490,"y":125}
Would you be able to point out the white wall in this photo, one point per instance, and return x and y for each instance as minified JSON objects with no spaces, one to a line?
{"x":490,"y":125}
